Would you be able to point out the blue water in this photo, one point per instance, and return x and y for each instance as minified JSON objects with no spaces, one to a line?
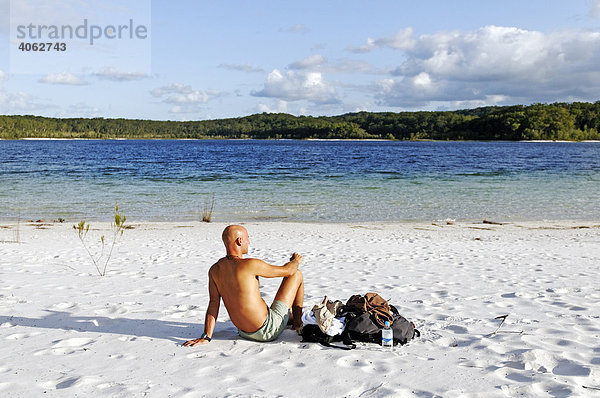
{"x":336,"y":181}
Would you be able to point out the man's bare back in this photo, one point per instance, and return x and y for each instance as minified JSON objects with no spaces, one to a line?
{"x":234,"y":279}
{"x":239,"y":289}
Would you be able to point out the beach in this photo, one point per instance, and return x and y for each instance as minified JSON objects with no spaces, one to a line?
{"x":66,"y":331}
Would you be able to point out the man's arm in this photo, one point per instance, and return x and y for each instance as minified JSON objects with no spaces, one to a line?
{"x":260,"y":268}
{"x":212,"y":312}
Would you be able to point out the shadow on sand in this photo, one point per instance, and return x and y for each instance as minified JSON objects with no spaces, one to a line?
{"x":175,"y":331}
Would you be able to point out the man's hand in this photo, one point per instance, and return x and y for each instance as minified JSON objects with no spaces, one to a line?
{"x":296,"y":257}
{"x":195,"y":342}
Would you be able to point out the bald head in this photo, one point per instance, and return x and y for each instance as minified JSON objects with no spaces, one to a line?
{"x":232,"y":232}
{"x":235,"y":239}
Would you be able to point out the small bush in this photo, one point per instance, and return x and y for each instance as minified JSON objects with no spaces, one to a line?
{"x":117,"y":227}
{"x":209,"y":204}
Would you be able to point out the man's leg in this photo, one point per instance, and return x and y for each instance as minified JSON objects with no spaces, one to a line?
{"x":291,"y":293}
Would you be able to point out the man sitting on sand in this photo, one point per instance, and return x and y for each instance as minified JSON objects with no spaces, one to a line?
{"x":235,"y":280}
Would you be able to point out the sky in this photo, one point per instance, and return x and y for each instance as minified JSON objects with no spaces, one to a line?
{"x":208,"y":60}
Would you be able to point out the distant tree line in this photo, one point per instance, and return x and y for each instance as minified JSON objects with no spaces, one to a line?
{"x":559,"y":121}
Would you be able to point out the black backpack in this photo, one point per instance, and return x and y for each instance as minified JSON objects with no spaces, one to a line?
{"x":362,"y":327}
{"x":313,"y":334}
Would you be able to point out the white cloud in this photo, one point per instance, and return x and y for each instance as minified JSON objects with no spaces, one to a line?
{"x":368,"y":46}
{"x":79,"y":109}
{"x":111,"y":73}
{"x":65,"y":78}
{"x":310,"y":62}
{"x":19,"y":103}
{"x":278,"y":107}
{"x":9,"y":102}
{"x":177,"y":93}
{"x":184,"y":98}
{"x":83,"y":109}
{"x":194,"y":97}
{"x":304,"y":80}
{"x":422,"y":81}
{"x":487,"y":101}
{"x":241,"y":68}
{"x":351,"y":66}
{"x":179,"y":109}
{"x":493,"y":63}
{"x":298,"y":85}
{"x":320,"y":63}
{"x":401,"y":40}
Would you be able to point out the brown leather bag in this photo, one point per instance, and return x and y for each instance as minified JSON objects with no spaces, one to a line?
{"x":374,"y":304}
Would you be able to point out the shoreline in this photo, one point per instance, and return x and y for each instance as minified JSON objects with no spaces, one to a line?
{"x":7,"y":225}
{"x":287,"y":139}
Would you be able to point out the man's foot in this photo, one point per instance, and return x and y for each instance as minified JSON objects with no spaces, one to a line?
{"x":298,"y":329}
{"x":294,"y":325}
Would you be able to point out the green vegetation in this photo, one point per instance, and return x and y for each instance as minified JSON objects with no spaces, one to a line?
{"x":209,"y":205}
{"x":117,"y":227}
{"x":560,"y":121}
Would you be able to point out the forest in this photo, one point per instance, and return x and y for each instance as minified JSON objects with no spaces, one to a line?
{"x":575,"y":121}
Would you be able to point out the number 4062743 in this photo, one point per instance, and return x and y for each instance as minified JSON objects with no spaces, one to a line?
{"x":43,"y":46}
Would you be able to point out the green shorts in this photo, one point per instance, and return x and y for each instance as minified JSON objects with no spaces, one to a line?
{"x":277,"y":319}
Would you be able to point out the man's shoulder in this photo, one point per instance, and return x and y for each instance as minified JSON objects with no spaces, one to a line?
{"x":213,"y":268}
{"x":253,"y":261}
{"x":250,"y":259}
{"x":251,"y":266}
{"x":241,"y":263}
{"x":249,"y":262}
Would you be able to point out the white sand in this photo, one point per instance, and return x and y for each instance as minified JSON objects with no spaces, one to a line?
{"x":65,"y":331}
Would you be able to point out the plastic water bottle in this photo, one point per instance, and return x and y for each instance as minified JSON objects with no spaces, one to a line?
{"x":387,"y":336}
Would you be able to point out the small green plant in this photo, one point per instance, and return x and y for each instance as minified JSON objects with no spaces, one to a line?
{"x":117,"y":227}
{"x":209,"y":204}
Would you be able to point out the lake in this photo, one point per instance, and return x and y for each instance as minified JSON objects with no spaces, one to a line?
{"x":314,"y":181}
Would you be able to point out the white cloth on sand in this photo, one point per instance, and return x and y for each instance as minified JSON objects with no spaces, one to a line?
{"x":337,"y":324}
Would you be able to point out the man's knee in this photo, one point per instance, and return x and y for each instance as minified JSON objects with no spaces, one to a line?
{"x":289,"y":288}
{"x":295,"y":279}
{"x":297,"y":276}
